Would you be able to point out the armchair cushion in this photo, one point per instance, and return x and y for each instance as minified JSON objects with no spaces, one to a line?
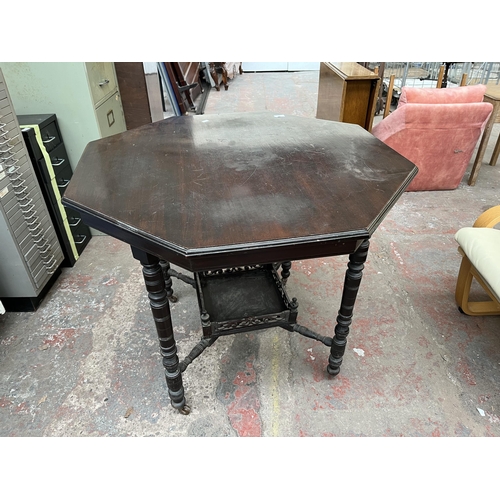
{"x":472,"y":93}
{"x":481,"y":245}
{"x":480,"y":249}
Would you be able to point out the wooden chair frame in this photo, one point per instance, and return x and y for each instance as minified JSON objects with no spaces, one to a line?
{"x":467,"y":271}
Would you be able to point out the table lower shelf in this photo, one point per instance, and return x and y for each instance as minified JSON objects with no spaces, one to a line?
{"x":243,"y":299}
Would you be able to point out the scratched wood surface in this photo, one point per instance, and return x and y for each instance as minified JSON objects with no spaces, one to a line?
{"x":237,"y":182}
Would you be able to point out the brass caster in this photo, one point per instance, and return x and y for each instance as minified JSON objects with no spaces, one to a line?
{"x":185,"y":410}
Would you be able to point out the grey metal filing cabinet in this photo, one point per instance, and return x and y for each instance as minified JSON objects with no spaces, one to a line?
{"x":30,"y":253}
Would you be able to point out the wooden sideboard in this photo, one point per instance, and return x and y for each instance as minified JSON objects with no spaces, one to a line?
{"x":347,"y":93}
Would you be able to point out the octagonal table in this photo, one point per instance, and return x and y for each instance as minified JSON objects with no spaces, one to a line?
{"x":235,"y":199}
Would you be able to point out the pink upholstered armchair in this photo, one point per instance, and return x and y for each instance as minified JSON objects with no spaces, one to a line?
{"x":437,"y":129}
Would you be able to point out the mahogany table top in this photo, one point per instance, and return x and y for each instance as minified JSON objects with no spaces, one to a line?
{"x":204,"y":191}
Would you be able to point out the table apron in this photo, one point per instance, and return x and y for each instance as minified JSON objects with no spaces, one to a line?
{"x":217,"y":259}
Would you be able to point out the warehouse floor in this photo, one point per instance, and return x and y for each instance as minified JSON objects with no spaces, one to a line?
{"x":87,"y":362}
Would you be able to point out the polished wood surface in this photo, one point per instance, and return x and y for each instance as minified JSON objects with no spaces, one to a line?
{"x":492,"y":95}
{"x":347,"y":92}
{"x":203,"y":191}
{"x":211,"y":192}
{"x":351,"y":70}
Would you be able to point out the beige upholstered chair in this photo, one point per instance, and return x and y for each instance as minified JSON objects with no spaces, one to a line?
{"x":480,"y":249}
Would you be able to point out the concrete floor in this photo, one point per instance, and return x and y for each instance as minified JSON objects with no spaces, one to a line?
{"x":87,"y":363}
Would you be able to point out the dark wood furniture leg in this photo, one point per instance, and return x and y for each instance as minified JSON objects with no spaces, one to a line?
{"x":285,"y":271}
{"x":352,"y":281}
{"x":224,"y":76}
{"x":165,"y":267}
{"x":158,"y":299}
{"x":213,"y":74}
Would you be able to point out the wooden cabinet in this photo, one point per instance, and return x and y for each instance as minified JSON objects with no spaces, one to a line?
{"x":347,"y":93}
{"x":140,"y":91}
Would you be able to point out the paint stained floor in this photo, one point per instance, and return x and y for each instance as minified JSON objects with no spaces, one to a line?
{"x":87,"y":362}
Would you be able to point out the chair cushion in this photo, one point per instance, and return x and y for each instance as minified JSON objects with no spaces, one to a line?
{"x":482,"y":247}
{"x":453,"y":95}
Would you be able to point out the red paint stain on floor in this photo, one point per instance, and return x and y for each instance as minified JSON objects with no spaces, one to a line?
{"x":417,"y":424}
{"x":372,"y":343}
{"x":323,"y":405}
{"x":410,"y":384}
{"x":423,"y":342}
{"x":243,"y":412}
{"x":8,"y":340}
{"x":246,"y":377}
{"x":427,"y":427}
{"x":4,"y":402}
{"x":341,"y":386}
{"x":22,"y":408}
{"x":75,"y":282}
{"x":465,"y":372}
{"x":436,"y":432}
{"x":483,"y":398}
{"x":60,"y":338}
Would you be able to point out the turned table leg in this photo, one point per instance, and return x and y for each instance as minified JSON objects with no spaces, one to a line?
{"x":165,"y":266}
{"x":285,"y":271}
{"x":158,"y":299}
{"x":352,"y":281}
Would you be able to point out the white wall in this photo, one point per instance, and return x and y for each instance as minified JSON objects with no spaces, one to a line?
{"x":60,"y":88}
